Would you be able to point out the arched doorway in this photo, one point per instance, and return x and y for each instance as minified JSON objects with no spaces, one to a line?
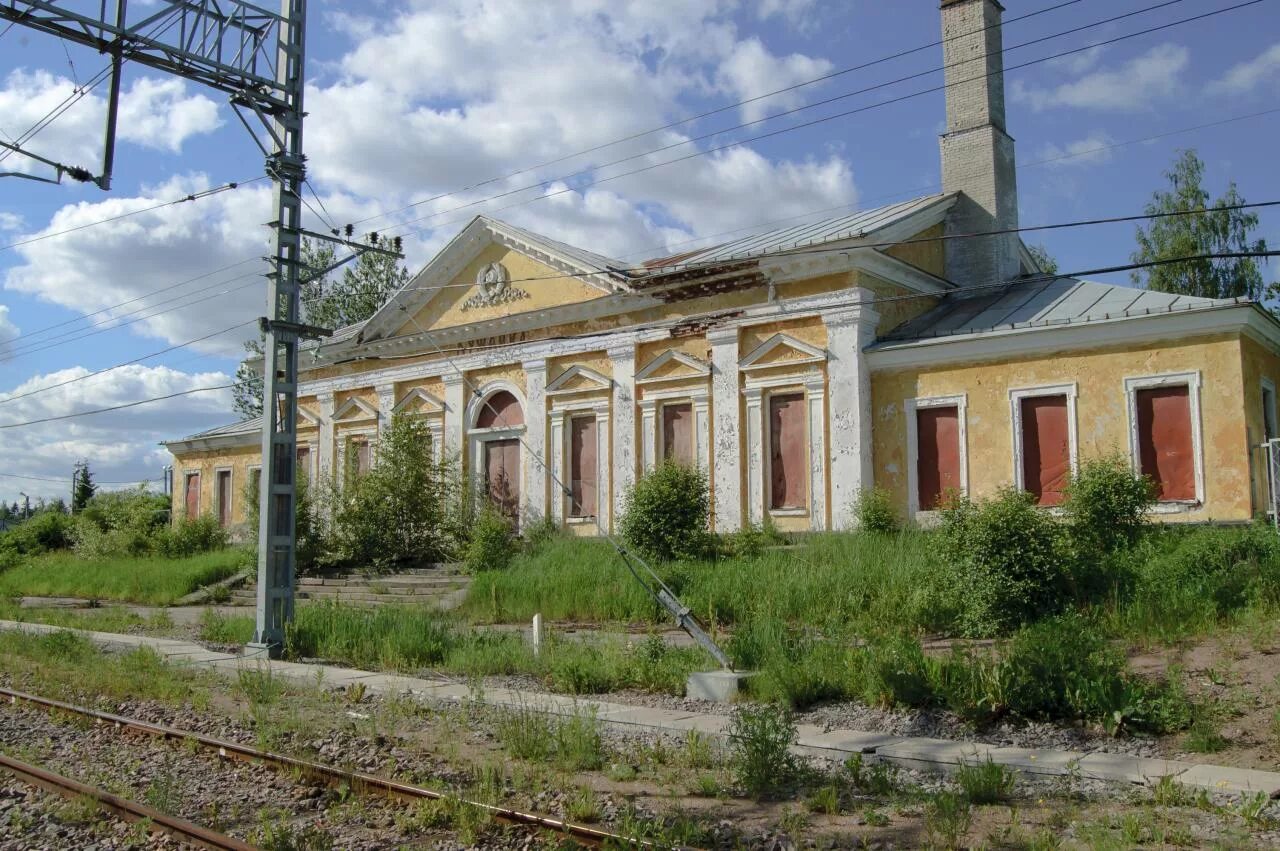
{"x":497,"y":425}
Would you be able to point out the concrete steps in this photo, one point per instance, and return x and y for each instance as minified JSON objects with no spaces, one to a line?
{"x":441,"y":586}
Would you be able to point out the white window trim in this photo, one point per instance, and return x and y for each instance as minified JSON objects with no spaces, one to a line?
{"x":1016,"y":397}
{"x":911,"y":406}
{"x":313,"y":457}
{"x":561,"y":414}
{"x":1192,"y":381}
{"x":1268,"y":496}
{"x":1269,"y":386}
{"x":651,"y":424}
{"x":345,"y":436}
{"x":185,"y":474}
{"x":231,"y":491}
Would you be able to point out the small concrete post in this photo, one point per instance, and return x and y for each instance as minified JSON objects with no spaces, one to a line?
{"x":536,"y":634}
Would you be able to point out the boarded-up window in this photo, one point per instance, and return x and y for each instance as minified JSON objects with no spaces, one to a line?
{"x":191,"y":494}
{"x":788,"y":467}
{"x":937,"y":455}
{"x":677,"y":433}
{"x":582,"y":466}
{"x":304,"y":460}
{"x":502,"y":472}
{"x":361,"y":459}
{"x":501,"y":410}
{"x":1165,"y":451}
{"x":223,"y":480}
{"x":1046,"y":448}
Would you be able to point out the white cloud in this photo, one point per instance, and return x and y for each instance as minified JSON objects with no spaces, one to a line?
{"x":11,"y":221}
{"x":1263,"y":69}
{"x":1093,"y":149}
{"x":120,"y":445}
{"x":751,"y":70}
{"x":7,"y":330}
{"x":1137,"y":84}
{"x":156,"y":114}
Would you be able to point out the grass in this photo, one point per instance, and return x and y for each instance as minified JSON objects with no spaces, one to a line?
{"x":148,"y":580}
{"x":105,"y":619}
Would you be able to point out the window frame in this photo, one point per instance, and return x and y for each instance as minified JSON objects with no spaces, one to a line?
{"x":186,"y":477}
{"x":1268,"y":389}
{"x":1016,"y":397}
{"x":1171,"y":379}
{"x":660,"y":438}
{"x":217,"y":495}
{"x":587,"y":515}
{"x":766,"y":451}
{"x":961,"y":403}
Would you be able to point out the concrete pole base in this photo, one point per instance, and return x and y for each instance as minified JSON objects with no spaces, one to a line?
{"x":717,"y":686}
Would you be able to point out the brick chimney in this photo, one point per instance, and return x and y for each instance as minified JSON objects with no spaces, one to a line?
{"x":977,"y":152}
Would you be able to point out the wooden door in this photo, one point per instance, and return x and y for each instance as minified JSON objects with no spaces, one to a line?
{"x":224,"y":497}
{"x":677,"y":433}
{"x":502,"y":472}
{"x":192,"y":495}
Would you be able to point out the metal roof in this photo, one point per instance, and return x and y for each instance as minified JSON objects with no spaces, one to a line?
{"x":849,"y":226}
{"x":251,"y":425}
{"x":1038,"y":302}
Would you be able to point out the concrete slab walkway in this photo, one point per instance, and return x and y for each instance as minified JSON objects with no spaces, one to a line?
{"x":908,"y":751}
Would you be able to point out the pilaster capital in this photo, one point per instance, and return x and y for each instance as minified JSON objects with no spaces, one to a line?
{"x":538,"y":365}
{"x":722,"y":336}
{"x":617,"y":353}
{"x":453,"y":379}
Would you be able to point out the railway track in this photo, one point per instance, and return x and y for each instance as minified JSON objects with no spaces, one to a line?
{"x":315,"y":772}
{"x":158,"y":822}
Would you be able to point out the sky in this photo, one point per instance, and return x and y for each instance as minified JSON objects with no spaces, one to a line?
{"x":443,"y":104}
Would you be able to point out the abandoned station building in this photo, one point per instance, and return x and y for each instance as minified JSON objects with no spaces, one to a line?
{"x":796,"y":367}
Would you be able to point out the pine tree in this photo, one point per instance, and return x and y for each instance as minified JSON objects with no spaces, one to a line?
{"x":1208,"y":231}
{"x":83,"y":487}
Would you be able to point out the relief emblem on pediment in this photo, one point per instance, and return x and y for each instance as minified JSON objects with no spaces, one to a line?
{"x":495,"y":288}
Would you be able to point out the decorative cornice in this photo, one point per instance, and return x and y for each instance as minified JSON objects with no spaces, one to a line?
{"x":810,"y":354}
{"x":557,"y":387}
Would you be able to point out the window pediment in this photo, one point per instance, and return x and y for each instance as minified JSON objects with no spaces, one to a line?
{"x":782,"y":350}
{"x":671,"y":366}
{"x":418,"y":401}
{"x":579,"y":379}
{"x":354,"y":409}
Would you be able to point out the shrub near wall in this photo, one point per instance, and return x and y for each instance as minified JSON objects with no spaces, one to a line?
{"x":666,"y":513}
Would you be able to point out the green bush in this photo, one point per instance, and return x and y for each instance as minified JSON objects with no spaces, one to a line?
{"x":120,"y":523}
{"x":1106,"y":507}
{"x":874,"y":511}
{"x":760,"y":739}
{"x":666,"y":513}
{"x":408,"y":508}
{"x":43,"y":532}
{"x":492,"y":545}
{"x":895,"y":673}
{"x":189,"y":536}
{"x":1008,"y":562}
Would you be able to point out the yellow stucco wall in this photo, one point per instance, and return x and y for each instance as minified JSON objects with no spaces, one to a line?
{"x":545,"y":287}
{"x":1102,"y":413}
{"x":206,"y":463}
{"x":928,"y":252}
{"x":895,"y":304}
{"x":1257,"y":362}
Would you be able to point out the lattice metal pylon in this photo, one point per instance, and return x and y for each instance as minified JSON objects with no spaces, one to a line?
{"x":257,"y":57}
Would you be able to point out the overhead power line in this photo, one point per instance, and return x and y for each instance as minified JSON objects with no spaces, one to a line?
{"x":581,"y":185}
{"x":64,"y":481}
{"x":136,"y":404}
{"x":136,"y":360}
{"x":717,"y":110}
{"x":191,"y":196}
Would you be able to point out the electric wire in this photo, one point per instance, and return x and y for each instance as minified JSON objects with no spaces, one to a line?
{"x":6,"y":399}
{"x":581,"y":185}
{"x":717,"y":110}
{"x":77,"y":414}
{"x":191,"y":196}
{"x":95,"y":481}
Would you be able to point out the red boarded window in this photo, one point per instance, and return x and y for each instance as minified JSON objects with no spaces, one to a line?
{"x":304,"y":459}
{"x":582,"y":466}
{"x":1165,"y":451}
{"x":191,"y":494}
{"x":677,"y":433}
{"x":501,"y":410}
{"x":1046,"y":448}
{"x":360,"y":456}
{"x":224,"y":497}
{"x":788,"y":467}
{"x":937,"y":455}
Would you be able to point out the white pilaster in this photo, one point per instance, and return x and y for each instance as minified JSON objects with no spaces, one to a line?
{"x":649,"y":433}
{"x":849,"y":331}
{"x":605,"y":478}
{"x":325,"y":461}
{"x":755,"y":455}
{"x":386,"y":404}
{"x":701,"y":430}
{"x":815,"y":392}
{"x":535,"y":451}
{"x":725,"y":442}
{"x":624,"y":427}
{"x":556,"y":456}
{"x":455,"y":410}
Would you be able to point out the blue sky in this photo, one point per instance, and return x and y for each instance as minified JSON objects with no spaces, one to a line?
{"x":408,"y":100}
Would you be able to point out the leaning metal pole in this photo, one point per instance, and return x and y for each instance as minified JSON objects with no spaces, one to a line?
{"x":277,"y":545}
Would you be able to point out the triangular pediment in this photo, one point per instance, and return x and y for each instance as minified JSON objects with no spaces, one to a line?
{"x":782,"y":350}
{"x":673,"y":365}
{"x":578,"y":379}
{"x":354,"y":408}
{"x":492,"y":270}
{"x":418,"y":401}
